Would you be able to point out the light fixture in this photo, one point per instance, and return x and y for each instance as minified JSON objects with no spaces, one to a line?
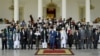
{"x":51,"y":5}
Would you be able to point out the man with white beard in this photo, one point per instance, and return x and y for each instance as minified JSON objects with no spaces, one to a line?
{"x":63,"y":38}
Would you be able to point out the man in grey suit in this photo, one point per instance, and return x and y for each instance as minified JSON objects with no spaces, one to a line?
{"x":83,"y":36}
{"x":77,"y":39}
{"x":89,"y":39}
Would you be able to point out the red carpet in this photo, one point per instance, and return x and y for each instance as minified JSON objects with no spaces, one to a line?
{"x":54,"y":52}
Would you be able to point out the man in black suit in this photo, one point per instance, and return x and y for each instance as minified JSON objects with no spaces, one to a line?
{"x":89,"y":35}
{"x":30,"y":38}
{"x":4,"y":39}
{"x":95,"y":39}
{"x":58,"y":39}
{"x":23,"y":39}
{"x":77,"y":39}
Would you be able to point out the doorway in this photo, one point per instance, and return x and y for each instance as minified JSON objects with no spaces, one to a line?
{"x":51,"y":10}
{"x":51,"y":13}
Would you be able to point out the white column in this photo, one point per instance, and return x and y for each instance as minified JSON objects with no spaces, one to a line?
{"x":40,"y":9}
{"x":64,"y":9}
{"x":0,"y":43}
{"x":87,"y":11}
{"x":16,"y":10}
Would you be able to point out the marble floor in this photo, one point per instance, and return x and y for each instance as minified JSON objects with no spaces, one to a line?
{"x":85,"y":52}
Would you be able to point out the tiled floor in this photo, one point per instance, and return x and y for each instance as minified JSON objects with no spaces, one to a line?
{"x":85,"y":52}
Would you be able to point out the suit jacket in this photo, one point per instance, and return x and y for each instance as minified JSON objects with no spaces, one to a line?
{"x":4,"y":38}
{"x":77,"y":37}
{"x":89,"y":34}
{"x":96,"y":36}
{"x":58,"y":36}
{"x":52,"y":36}
{"x":23,"y":36}
{"x":70,"y":38}
{"x":82,"y":33}
{"x":30,"y":36}
{"x":10,"y":35}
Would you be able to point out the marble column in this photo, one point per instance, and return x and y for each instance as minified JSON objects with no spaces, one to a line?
{"x":16,"y":10}
{"x":88,"y":11}
{"x":64,"y":9}
{"x":40,"y":9}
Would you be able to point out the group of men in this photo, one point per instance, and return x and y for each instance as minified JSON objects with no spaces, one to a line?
{"x":51,"y":34}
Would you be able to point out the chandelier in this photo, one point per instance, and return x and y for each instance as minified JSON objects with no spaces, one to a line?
{"x":51,"y":5}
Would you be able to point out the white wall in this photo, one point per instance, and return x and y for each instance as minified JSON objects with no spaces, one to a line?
{"x":96,"y":11}
{"x":73,"y":10}
{"x":4,"y":9}
{"x":30,"y":7}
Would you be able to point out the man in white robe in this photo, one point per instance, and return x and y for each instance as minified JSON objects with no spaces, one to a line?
{"x":63,"y":38}
{"x":16,"y":38}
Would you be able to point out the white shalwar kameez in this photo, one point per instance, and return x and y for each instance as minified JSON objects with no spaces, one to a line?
{"x":63,"y":38}
{"x":16,"y":38}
